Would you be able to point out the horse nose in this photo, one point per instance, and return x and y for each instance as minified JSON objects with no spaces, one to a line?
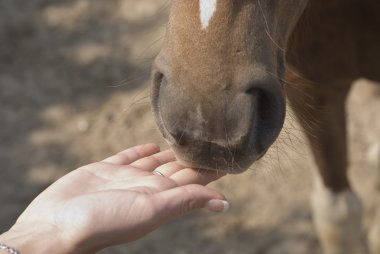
{"x":220,"y":129}
{"x":224,"y":121}
{"x":254,"y":113}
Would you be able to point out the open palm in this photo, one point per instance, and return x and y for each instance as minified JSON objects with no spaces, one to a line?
{"x":121,"y":198}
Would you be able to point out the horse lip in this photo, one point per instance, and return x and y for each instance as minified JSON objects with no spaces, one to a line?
{"x":235,"y":163}
{"x":237,"y":169}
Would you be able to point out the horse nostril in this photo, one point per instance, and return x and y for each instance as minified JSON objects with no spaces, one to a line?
{"x":269,"y":113}
{"x":158,"y":80}
{"x":262,"y":103}
{"x":160,"y":83}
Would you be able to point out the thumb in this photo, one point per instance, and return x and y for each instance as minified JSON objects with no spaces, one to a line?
{"x":184,"y":199}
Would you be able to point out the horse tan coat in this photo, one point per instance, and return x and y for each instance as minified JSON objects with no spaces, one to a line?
{"x":221,"y":79}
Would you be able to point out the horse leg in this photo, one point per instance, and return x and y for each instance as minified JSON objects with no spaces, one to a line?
{"x":374,"y":234}
{"x":336,"y":208}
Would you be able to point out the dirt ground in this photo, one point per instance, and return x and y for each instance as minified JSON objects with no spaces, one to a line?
{"x":74,"y":88}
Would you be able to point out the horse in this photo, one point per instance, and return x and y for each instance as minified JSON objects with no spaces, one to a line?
{"x":227,"y":69}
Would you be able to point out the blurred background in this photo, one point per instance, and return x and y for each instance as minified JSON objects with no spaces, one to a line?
{"x":74,"y":88}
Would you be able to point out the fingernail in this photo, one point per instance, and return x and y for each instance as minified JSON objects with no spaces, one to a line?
{"x":217,"y":205}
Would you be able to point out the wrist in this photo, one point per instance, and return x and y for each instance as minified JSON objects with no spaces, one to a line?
{"x":36,"y":239}
{"x":7,"y":249}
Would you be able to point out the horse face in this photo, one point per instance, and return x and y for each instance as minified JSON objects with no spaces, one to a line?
{"x":217,"y":95}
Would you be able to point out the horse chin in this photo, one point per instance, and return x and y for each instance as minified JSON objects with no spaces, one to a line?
{"x":230,"y":165}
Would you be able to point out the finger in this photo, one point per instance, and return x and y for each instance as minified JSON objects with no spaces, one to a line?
{"x":152,"y":162}
{"x":132,"y":154}
{"x":184,"y":199}
{"x":194,"y":176}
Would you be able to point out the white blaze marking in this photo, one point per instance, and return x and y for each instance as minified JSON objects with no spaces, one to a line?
{"x":207,"y":11}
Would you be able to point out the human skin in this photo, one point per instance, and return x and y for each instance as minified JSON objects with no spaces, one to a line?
{"x":115,"y":201}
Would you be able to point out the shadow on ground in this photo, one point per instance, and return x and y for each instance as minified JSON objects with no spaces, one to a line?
{"x":61,"y":61}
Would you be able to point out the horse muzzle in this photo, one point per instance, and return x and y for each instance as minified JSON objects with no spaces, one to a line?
{"x":223,"y":129}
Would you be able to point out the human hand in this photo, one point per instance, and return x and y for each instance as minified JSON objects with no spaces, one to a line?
{"x":117,"y":200}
